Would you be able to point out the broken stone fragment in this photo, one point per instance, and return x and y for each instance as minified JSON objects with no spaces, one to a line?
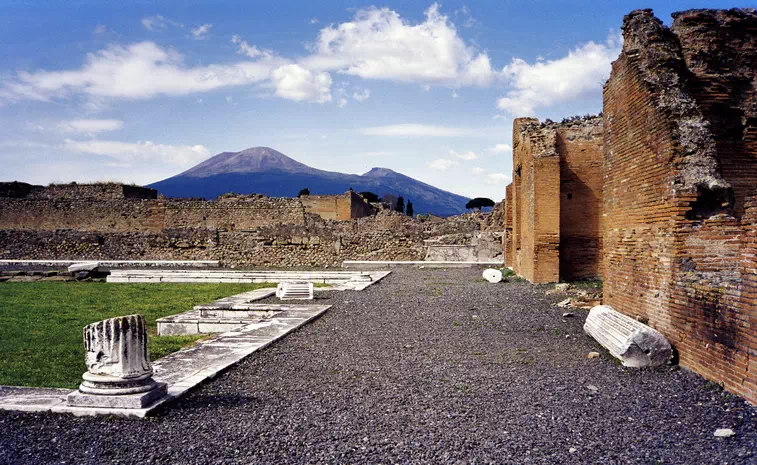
{"x":563,"y":303}
{"x":724,"y":433}
{"x":290,"y":290}
{"x":592,"y":355}
{"x":84,"y":266}
{"x":634,"y":343}
{"x":492,"y":275}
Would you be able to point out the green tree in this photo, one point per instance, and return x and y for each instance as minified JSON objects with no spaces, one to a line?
{"x":400,"y":205}
{"x":304,"y":191}
{"x":409,"y":209}
{"x":478,"y":203}
{"x":370,"y":196}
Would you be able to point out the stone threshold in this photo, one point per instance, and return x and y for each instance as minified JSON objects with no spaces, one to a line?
{"x":182,"y":370}
{"x":368,"y":264}
{"x":340,"y":280}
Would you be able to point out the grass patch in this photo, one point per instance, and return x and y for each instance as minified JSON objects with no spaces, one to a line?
{"x":41,"y":323}
{"x":160,"y":346}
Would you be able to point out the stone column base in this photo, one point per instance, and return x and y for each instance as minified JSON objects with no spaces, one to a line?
{"x":108,"y":392}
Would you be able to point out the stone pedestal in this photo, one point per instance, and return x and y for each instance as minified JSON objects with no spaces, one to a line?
{"x":119,"y":373}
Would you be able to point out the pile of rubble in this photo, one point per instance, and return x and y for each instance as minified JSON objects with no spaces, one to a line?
{"x":579,"y":296}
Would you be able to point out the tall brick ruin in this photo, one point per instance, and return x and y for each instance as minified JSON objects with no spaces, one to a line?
{"x":552,"y":221}
{"x":675,"y":205}
{"x":680,"y":159}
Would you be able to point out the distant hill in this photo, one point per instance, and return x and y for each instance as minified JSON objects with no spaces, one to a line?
{"x":263,"y":170}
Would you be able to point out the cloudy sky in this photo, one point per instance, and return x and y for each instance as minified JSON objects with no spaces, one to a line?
{"x":94,"y":91}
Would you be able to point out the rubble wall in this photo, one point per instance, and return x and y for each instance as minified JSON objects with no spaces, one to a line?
{"x":239,"y":230}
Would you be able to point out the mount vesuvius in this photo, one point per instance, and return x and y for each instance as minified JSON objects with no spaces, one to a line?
{"x":263,"y":170}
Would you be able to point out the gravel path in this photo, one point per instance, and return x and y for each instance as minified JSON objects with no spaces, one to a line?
{"x":428,"y":366}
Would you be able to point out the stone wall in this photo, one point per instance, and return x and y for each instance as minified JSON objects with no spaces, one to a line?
{"x":239,"y":230}
{"x":316,"y":242}
{"x":337,"y":207}
{"x":552,"y":207}
{"x":115,"y":207}
{"x":679,"y":176}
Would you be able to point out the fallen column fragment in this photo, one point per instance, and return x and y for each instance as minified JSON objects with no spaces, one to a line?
{"x":634,"y":343}
{"x":288,"y":290}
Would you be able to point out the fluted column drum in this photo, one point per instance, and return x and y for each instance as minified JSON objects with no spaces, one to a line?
{"x":116,"y":357}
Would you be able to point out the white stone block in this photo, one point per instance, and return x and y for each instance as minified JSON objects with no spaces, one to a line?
{"x":84,"y":266}
{"x":290,"y":290}
{"x":634,"y":343}
{"x":492,"y":275}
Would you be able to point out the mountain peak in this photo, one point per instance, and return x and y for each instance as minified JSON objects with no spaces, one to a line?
{"x":264,"y":170}
{"x":377,"y":172}
{"x":251,"y":160}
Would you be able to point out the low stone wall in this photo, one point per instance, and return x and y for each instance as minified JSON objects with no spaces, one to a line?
{"x":314,"y":242}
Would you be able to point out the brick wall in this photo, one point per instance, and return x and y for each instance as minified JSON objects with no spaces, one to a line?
{"x":679,"y":219}
{"x":508,"y":236}
{"x":555,"y":200}
{"x":579,"y":146}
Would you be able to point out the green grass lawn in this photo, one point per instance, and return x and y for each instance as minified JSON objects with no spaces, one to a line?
{"x":41,"y":323}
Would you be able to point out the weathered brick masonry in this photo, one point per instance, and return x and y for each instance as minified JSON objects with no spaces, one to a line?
{"x":553,"y":214}
{"x":680,"y":170}
{"x":111,"y":221}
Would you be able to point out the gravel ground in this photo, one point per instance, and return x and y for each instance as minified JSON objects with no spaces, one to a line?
{"x":428,"y":366}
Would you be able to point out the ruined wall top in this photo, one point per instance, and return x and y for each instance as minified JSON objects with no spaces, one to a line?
{"x":542,"y":136}
{"x":656,"y":54}
{"x":96,"y":191}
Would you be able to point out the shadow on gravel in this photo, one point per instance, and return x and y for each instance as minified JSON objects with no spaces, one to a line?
{"x":210,"y":402}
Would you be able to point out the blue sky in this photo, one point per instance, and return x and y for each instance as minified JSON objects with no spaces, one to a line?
{"x":137,"y":92}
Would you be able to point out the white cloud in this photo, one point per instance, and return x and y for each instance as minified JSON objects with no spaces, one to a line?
{"x":379,"y":44}
{"x":249,"y":50}
{"x":365,"y":94}
{"x":467,"y":156}
{"x":90,"y":126}
{"x":464,"y":14}
{"x":181,"y":155}
{"x":498,"y":178}
{"x":158,"y":22}
{"x":477,"y":170}
{"x":294,"y":82}
{"x":201,"y":32}
{"x":100,"y":29}
{"x":423,"y":130}
{"x":140,"y":71}
{"x":580,"y":74}
{"x":342,"y":102}
{"x":230,"y":100}
{"x":313,"y":20}
{"x":501,"y":148}
{"x":455,"y":94}
{"x":442,"y":164}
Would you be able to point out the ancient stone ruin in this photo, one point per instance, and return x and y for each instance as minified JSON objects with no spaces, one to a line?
{"x":552,"y":206}
{"x":667,"y":186}
{"x":93,"y":222}
{"x":119,"y":373}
